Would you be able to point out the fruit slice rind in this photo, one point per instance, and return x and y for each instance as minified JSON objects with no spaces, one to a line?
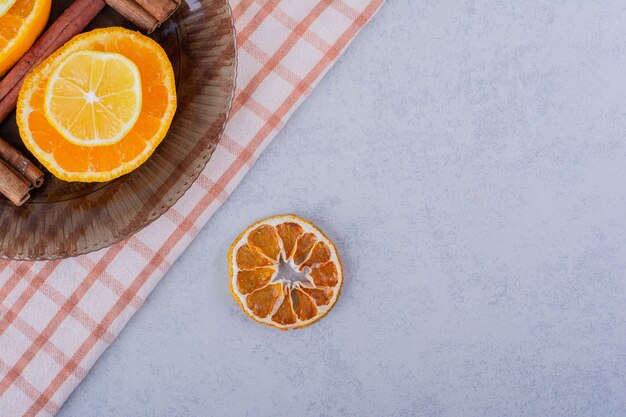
{"x":308,"y":227}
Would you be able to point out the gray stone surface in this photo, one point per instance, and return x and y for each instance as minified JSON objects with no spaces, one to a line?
{"x":468,"y":157}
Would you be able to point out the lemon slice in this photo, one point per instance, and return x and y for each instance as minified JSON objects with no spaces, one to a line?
{"x":5,"y":5}
{"x":94,"y":98}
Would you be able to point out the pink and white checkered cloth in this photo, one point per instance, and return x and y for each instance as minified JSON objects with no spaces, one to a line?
{"x":56,"y":318}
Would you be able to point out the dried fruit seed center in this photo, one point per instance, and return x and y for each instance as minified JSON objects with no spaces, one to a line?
{"x":289,"y":275}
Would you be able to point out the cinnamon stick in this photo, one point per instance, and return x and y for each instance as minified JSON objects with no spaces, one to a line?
{"x":136,"y":14}
{"x":68,"y":25}
{"x":13,"y":185}
{"x":160,"y":9}
{"x":146,"y":14}
{"x":21,"y":164}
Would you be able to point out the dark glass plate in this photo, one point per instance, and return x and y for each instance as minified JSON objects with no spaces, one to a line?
{"x":65,"y":219}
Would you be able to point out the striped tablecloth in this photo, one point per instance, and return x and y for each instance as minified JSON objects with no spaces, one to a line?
{"x":57,"y":317}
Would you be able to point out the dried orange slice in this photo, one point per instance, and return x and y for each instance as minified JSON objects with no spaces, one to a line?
{"x":72,"y":162}
{"x":284,"y":272}
{"x":21,"y":22}
{"x":93,"y":98}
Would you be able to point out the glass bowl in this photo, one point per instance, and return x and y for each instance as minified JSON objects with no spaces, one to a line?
{"x":65,"y":219}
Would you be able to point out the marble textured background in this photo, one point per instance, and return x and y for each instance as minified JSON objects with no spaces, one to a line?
{"x":469,"y":159}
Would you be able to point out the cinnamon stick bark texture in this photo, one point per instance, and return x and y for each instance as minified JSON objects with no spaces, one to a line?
{"x":132,"y":11}
{"x":146,"y":14}
{"x":69,"y":24}
{"x":13,"y":185}
{"x":160,"y":9}
{"x":21,"y":164}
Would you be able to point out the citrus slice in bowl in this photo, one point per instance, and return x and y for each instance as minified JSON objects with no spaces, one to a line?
{"x":93,"y":98}
{"x":21,"y":22}
{"x":72,"y":162}
{"x":284,"y":272}
{"x":5,"y":5}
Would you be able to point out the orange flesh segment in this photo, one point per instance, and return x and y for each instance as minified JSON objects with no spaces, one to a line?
{"x":262,"y":301}
{"x":18,"y":13}
{"x":325,"y":275}
{"x":265,"y":238}
{"x":322,"y":296}
{"x":303,"y":247}
{"x":285,"y":313}
{"x":319,"y":255}
{"x":303,"y":304}
{"x":289,"y":234}
{"x":248,"y":281}
{"x":248,"y":257}
{"x":87,"y":163}
{"x":80,"y":158}
{"x":103,"y":157}
{"x":16,"y":34}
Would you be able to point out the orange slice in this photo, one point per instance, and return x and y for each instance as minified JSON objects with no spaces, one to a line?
{"x":72,"y":162}
{"x":5,"y":5}
{"x":93,"y":98}
{"x":284,"y":272}
{"x":21,"y":22}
